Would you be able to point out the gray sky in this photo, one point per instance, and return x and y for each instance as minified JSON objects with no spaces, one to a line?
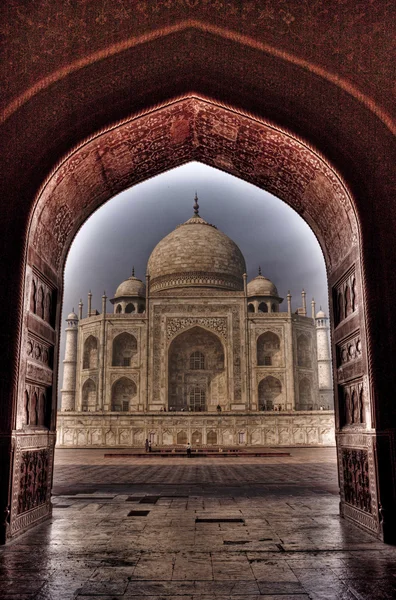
{"x":124,"y":231}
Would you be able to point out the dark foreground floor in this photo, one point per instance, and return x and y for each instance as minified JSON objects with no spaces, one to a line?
{"x":197,"y":529}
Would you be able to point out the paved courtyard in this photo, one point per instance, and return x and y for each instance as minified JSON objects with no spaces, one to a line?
{"x":197,"y":529}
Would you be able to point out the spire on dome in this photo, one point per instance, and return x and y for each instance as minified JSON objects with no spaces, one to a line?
{"x":133,"y":271}
{"x":196,"y":205}
{"x":259,"y":270}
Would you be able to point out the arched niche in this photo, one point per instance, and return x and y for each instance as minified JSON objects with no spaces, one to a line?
{"x":269,"y":350}
{"x":250,"y":148}
{"x":304,"y":351}
{"x":124,"y":349}
{"x":305,"y":394}
{"x":90,"y":353}
{"x":123,"y":395}
{"x":269,"y":393}
{"x":88,"y":396}
{"x":195,"y":361}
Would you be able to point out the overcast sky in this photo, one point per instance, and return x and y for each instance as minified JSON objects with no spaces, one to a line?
{"x":123,"y":232}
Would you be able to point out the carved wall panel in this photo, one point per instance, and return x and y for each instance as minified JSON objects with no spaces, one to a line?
{"x":43,"y":298}
{"x":349,"y":349}
{"x":352,"y":398}
{"x":33,"y":458}
{"x":39,"y":350}
{"x":37,"y":405}
{"x":355,"y":466}
{"x":345,"y":301}
{"x":33,"y":479}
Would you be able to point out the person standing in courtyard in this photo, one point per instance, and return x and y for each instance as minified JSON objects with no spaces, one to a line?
{"x":188,"y":450}
{"x":146,"y":445}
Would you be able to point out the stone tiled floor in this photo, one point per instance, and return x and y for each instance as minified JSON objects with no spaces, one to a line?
{"x":211,"y":528}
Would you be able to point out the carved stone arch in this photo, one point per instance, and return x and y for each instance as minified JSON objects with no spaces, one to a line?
{"x":307,"y":182}
{"x":124,"y":395}
{"x":125,"y":347}
{"x":250,"y":308}
{"x":91,"y":352}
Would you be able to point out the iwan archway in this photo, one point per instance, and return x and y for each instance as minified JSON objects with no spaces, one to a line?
{"x":194,"y":128}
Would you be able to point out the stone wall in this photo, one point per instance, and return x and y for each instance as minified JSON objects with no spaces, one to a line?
{"x":313,"y":428}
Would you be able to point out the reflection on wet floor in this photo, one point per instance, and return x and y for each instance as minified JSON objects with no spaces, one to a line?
{"x":187,"y":530}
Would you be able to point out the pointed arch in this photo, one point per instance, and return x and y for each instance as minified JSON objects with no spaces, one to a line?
{"x":269,"y":349}
{"x":88,"y":395}
{"x":304,"y":351}
{"x":124,"y":349}
{"x":196,"y":360}
{"x":90,"y":356}
{"x":269,"y":393}
{"x":123,"y":395}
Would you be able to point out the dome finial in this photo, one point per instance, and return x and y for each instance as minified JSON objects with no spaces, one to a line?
{"x":133,"y":271}
{"x":259,"y":270}
{"x":196,"y":205}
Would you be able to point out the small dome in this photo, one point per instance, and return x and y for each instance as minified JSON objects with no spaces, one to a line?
{"x":131,"y":287}
{"x":72,"y":316}
{"x":196,"y":254}
{"x":321,"y":315}
{"x":261,"y":286}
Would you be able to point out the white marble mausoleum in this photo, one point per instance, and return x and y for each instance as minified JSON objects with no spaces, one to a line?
{"x":196,"y":353}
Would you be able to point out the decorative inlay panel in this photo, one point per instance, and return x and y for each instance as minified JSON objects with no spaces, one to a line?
{"x":195,"y":279}
{"x":356,"y":478}
{"x":175,"y":325}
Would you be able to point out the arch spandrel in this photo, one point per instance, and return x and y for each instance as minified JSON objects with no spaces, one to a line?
{"x":193,"y":128}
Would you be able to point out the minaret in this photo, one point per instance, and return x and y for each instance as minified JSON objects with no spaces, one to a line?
{"x":304,"y":302}
{"x":325,"y":379}
{"x":68,"y":390}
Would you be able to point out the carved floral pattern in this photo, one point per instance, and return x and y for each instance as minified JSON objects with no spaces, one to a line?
{"x":349,"y":350}
{"x":176,"y":325}
{"x":355,"y":467}
{"x":33,"y":481}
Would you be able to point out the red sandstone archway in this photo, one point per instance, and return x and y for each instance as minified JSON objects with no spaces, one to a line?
{"x":195,"y":128}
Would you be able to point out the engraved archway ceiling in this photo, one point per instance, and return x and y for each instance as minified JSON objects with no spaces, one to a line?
{"x":355,"y":40}
{"x":193,"y":129}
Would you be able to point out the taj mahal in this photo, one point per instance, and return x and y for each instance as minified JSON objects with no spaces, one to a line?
{"x":197,"y":353}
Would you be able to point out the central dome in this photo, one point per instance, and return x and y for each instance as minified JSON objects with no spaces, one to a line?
{"x":196,"y":254}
